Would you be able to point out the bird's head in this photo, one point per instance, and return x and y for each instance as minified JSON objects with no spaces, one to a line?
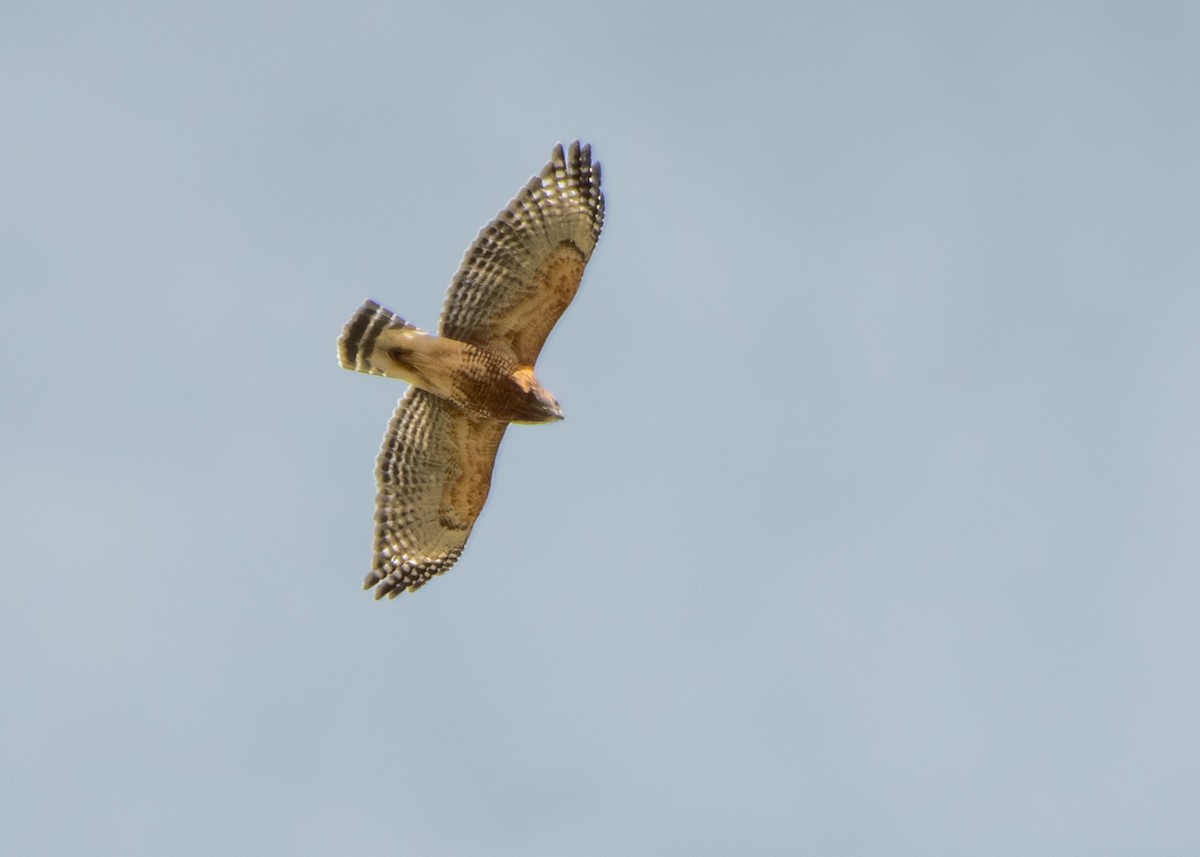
{"x":540,"y":407}
{"x":537,"y":405}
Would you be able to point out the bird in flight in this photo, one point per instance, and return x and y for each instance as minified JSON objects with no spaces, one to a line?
{"x":472,"y":379}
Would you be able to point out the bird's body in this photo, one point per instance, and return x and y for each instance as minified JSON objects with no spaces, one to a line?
{"x":477,"y":376}
{"x":485,"y":381}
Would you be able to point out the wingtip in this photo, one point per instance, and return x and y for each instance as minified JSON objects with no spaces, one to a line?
{"x":371,"y":580}
{"x":576,"y":152}
{"x":580,"y":158}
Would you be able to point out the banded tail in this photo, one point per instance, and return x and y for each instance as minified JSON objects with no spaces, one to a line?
{"x":356,"y":347}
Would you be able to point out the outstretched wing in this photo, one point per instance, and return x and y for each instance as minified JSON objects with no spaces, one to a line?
{"x":433,"y":474}
{"x":524,"y":267}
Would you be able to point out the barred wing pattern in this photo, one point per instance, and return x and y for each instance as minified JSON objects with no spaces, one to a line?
{"x":524,"y":268}
{"x":433,"y":472}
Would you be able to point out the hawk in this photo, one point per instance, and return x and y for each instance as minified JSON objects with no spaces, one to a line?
{"x":476,"y":376}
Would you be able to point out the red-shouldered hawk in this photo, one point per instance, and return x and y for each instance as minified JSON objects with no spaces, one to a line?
{"x":474,"y":378}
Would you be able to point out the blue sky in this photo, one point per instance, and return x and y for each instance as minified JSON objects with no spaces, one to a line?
{"x":871,"y":529}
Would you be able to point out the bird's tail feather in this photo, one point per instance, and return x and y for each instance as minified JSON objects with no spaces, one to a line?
{"x":356,"y":347}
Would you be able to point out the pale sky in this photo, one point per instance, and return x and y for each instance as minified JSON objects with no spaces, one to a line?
{"x":874,"y":524}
